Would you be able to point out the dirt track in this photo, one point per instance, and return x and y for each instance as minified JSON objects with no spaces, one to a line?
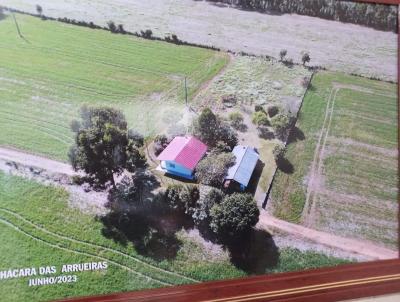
{"x":29,"y":160}
{"x":335,"y":45}
{"x":268,"y":222}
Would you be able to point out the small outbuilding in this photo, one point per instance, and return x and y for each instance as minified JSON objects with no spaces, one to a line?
{"x":182,"y":155}
{"x":240,"y":173}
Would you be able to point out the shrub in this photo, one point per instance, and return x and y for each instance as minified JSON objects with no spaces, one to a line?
{"x":147,"y":34}
{"x":235,"y":215}
{"x":111,"y":26}
{"x":136,"y":138}
{"x":160,"y":143}
{"x":282,"y":54}
{"x":182,"y":198}
{"x":260,"y":118}
{"x":236,"y":119}
{"x":305,"y":82}
{"x":39,"y":9}
{"x":305,"y":58}
{"x":279,"y":151}
{"x":258,"y":108}
{"x":121,"y":29}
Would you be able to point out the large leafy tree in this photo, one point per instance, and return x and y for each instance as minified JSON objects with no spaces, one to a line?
{"x":210,"y":129}
{"x":103,"y":147}
{"x":235,"y":215}
{"x":213,"y":169}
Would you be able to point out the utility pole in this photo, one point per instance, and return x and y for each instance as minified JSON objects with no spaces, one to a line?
{"x":186,"y":92}
{"x":16,"y":24}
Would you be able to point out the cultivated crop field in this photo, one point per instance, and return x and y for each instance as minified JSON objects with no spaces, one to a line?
{"x":337,"y":46}
{"x":39,"y":229}
{"x":46,"y":76}
{"x":344,"y":157}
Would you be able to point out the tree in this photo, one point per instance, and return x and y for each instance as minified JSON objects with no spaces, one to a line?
{"x":280,"y":123}
{"x":201,"y":213}
{"x":210,"y":129}
{"x":279,"y":151}
{"x":182,"y":198}
{"x":235,"y":215}
{"x":102,"y":146}
{"x":212,"y":170}
{"x":260,"y":118}
{"x":305,"y":58}
{"x":282,"y":54}
{"x":111,"y":26}
{"x":39,"y":9}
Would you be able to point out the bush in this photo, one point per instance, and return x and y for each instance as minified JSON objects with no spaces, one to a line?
{"x":111,"y":26}
{"x":182,"y":198}
{"x":282,"y":54}
{"x":235,"y":215}
{"x":305,"y":58}
{"x":147,"y":34}
{"x":305,"y":82}
{"x":160,"y":143}
{"x":136,"y":138}
{"x":260,"y":119}
{"x":282,"y":124}
{"x":236,"y":119}
{"x":279,"y":151}
{"x":258,"y":108}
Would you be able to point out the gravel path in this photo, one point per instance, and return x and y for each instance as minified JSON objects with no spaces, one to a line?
{"x":36,"y":161}
{"x":365,"y":248}
{"x":335,"y":45}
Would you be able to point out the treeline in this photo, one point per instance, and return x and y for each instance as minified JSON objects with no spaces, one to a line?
{"x":378,"y":16}
{"x":113,"y":28}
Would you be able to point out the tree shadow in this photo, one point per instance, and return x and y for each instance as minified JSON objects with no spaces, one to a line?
{"x":143,"y":218}
{"x":295,"y":135}
{"x":285,"y":166}
{"x":254,"y":253}
{"x":265,"y":133}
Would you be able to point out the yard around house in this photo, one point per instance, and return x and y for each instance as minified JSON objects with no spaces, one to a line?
{"x":344,"y":157}
{"x":46,"y":76}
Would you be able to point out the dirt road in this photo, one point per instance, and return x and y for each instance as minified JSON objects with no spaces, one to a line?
{"x":335,"y":45}
{"x":270,"y":223}
{"x":35,"y":161}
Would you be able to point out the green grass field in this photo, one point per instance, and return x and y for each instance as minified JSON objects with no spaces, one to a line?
{"x":46,"y":77}
{"x":38,"y":229}
{"x":345,"y":164}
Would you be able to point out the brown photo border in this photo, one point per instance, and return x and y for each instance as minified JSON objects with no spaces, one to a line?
{"x":340,"y":283}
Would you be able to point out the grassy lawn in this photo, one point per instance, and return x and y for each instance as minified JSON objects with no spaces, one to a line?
{"x":356,"y":193}
{"x":47,"y":76}
{"x":38,"y":229}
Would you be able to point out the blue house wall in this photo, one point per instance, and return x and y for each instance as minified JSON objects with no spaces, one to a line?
{"x":176,"y":169}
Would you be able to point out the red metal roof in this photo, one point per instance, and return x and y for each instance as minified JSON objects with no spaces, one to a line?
{"x":184,"y":150}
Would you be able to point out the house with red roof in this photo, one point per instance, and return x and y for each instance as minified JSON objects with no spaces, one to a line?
{"x":182,"y":155}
